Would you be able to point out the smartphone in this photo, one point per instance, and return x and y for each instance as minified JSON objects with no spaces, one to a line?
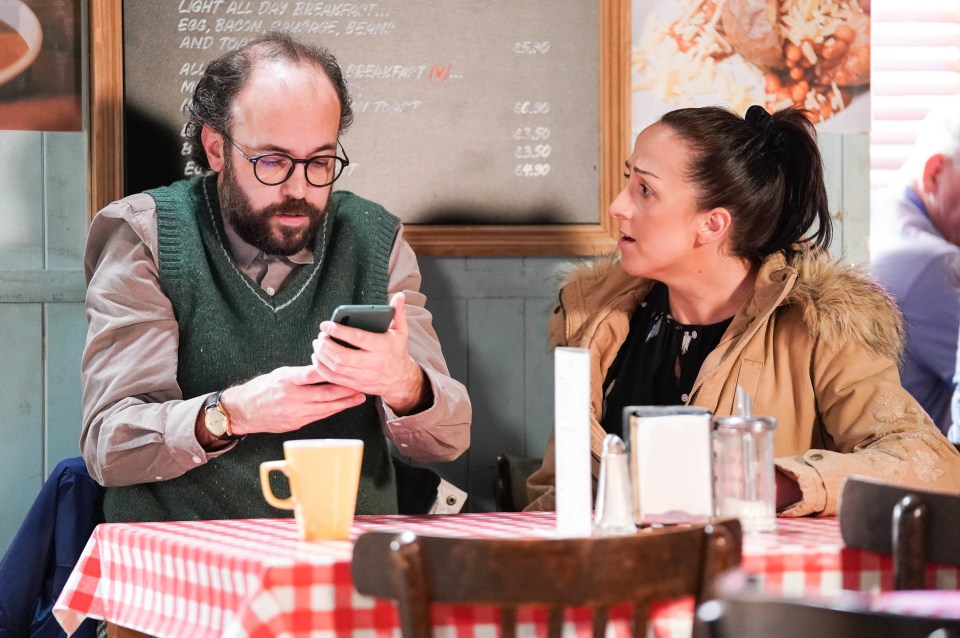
{"x":372,"y":318}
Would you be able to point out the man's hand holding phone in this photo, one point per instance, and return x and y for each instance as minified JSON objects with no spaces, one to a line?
{"x":375,"y":363}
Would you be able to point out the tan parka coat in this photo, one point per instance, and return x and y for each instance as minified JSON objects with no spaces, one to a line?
{"x":816,"y":346}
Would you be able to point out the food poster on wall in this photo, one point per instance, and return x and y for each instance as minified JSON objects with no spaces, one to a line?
{"x":811,"y":53}
{"x":40,"y":71}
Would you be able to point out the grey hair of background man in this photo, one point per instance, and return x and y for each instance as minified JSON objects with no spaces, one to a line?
{"x":939,"y":134}
{"x":214,"y":95}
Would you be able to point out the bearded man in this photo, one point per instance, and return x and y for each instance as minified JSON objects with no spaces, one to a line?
{"x":205,"y":298}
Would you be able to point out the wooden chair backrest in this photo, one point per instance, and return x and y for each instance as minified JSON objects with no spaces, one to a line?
{"x":510,"y":481}
{"x":913,"y":526}
{"x":595,"y":573}
{"x":744,"y":613}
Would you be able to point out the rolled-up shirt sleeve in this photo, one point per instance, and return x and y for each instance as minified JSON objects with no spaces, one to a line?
{"x":442,"y":431}
{"x":136,"y":426}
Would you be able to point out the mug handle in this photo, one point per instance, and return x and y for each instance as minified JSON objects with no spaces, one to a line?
{"x":274,"y":466}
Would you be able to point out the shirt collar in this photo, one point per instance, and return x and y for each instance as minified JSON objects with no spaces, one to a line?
{"x":914,"y":198}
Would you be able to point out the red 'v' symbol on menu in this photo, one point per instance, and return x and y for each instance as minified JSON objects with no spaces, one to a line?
{"x":439,"y":73}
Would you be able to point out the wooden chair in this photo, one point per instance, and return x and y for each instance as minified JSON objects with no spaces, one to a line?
{"x":594,"y":573}
{"x":913,"y":526}
{"x":510,"y":481}
{"x":739,"y":611}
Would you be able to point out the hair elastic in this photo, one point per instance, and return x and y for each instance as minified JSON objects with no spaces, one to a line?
{"x":765,"y":124}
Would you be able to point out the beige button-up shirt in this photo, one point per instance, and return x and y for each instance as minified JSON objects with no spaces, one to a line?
{"x":138,"y":427}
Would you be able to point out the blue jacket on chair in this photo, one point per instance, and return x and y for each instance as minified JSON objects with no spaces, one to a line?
{"x":45,"y":551}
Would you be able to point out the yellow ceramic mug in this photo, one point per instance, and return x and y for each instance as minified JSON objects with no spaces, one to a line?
{"x":324,"y":475}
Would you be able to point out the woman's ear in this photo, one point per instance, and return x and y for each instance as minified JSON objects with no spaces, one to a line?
{"x":213,"y":145}
{"x":714,"y":225}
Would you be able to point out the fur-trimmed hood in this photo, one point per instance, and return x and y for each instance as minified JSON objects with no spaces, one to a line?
{"x":840,"y":302}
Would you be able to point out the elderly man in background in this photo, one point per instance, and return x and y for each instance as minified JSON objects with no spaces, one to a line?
{"x":915,"y":246}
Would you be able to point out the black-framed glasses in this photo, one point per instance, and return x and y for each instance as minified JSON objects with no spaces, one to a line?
{"x":272,"y":169}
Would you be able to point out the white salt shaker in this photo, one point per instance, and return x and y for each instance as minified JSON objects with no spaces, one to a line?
{"x":614,"y":510}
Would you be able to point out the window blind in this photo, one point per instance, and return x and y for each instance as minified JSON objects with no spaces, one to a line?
{"x":915,"y":62}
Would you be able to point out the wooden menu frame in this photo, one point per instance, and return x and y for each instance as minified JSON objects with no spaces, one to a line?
{"x":106,"y":157}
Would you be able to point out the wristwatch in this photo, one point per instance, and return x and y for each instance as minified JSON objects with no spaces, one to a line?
{"x":216,"y":418}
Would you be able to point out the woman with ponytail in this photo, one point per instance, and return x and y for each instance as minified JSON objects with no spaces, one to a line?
{"x":722,"y":278}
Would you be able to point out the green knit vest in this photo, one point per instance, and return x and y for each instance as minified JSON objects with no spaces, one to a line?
{"x":232,"y":331}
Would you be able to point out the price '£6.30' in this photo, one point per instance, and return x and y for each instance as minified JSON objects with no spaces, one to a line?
{"x":528,"y":107}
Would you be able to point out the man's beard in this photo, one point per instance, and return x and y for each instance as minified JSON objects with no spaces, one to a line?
{"x":254,"y":227}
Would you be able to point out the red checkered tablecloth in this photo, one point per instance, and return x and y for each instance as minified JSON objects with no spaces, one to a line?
{"x":246,"y":577}
{"x":254,"y":578}
{"x":806,"y":556}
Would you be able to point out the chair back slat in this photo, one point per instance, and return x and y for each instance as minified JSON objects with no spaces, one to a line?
{"x":596,"y":573}
{"x":909,"y":542}
{"x":913,"y":526}
{"x":510,"y":481}
{"x":508,"y":621}
{"x":410,"y":582}
{"x":555,"y":621}
{"x":641,"y":616}
{"x":600,"y":616}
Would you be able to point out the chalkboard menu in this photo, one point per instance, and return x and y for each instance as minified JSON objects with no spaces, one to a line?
{"x":483,"y":124}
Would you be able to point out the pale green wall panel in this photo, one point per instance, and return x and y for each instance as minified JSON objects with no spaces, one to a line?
{"x":505,"y":302}
{"x":21,"y":207}
{"x":486,"y":277}
{"x":21,"y":415}
{"x":66,"y":330}
{"x":65,"y":198}
{"x":38,"y":286}
{"x":831,"y":149}
{"x":496,"y":383}
{"x":846,"y":162}
{"x":450,"y":322}
{"x":538,"y":369}
{"x":856,"y":197}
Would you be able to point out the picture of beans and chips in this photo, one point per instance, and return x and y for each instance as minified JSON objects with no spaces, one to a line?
{"x":811,"y":53}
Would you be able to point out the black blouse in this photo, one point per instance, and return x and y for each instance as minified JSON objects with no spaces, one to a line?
{"x":658,"y":362}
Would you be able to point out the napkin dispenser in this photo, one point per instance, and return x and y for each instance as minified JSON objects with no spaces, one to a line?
{"x":671,"y":463}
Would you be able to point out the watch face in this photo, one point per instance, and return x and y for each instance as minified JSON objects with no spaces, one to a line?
{"x":216,"y":422}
